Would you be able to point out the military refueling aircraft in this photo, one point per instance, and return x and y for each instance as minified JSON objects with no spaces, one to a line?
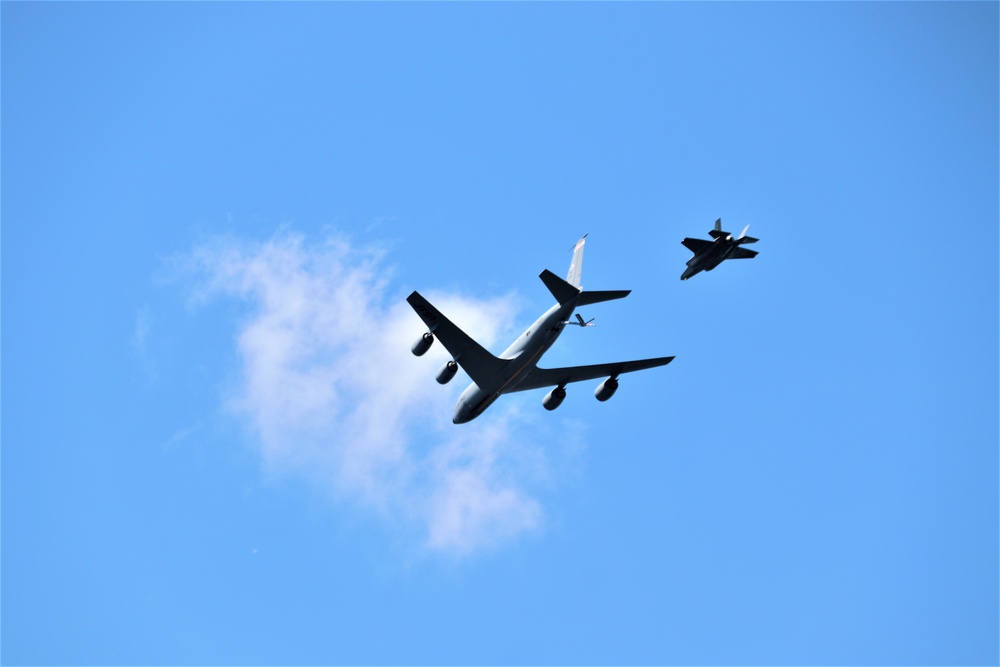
{"x":709,"y":254}
{"x":515,"y":369}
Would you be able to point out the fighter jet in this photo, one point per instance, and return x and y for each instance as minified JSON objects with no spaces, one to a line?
{"x":709,"y":254}
{"x":515,"y":369}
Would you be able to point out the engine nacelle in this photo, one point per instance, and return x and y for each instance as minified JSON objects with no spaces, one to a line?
{"x":423,"y":344}
{"x":554,"y":398}
{"x":447,"y":372}
{"x":606,"y":389}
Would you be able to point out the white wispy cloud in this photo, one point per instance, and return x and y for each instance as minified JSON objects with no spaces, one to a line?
{"x":331,"y":391}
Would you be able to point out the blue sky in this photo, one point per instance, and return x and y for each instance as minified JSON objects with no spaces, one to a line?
{"x":217,"y":448}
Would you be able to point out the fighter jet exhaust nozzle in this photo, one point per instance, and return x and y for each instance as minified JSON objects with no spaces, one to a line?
{"x":447,"y":372}
{"x":554,"y":398}
{"x":606,"y":389}
{"x":423,"y":344}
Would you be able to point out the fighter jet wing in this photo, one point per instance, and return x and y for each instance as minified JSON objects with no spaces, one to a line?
{"x":697,"y":245}
{"x":743,"y":253}
{"x":470,"y":355}
{"x":553,"y":377}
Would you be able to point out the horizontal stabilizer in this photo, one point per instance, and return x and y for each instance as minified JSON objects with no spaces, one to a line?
{"x":563,"y":291}
{"x":748,"y":239}
{"x":743,"y":253}
{"x":597,"y":296}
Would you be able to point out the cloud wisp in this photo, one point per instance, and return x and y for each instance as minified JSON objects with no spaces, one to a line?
{"x":330,"y":390}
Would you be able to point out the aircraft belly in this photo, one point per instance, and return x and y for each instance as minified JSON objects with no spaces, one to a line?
{"x":512,"y":386}
{"x":480,"y":407}
{"x":515,"y":378}
{"x":473,"y":402}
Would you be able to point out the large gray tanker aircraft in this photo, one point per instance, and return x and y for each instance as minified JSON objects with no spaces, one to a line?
{"x":709,"y":254}
{"x":515,"y":369}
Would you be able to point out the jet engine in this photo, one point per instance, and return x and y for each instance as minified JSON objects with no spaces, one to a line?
{"x":554,"y":398}
{"x":606,"y":389}
{"x":423,"y":344}
{"x":447,"y":372}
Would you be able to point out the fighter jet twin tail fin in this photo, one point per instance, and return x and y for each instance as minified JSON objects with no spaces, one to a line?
{"x":717,"y":233}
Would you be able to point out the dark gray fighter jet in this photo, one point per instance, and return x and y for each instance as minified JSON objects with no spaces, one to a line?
{"x":709,"y":254}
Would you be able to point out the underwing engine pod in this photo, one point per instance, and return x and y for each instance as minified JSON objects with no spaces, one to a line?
{"x":554,"y":398}
{"x":447,"y":372}
{"x":423,"y":344}
{"x":606,"y":389}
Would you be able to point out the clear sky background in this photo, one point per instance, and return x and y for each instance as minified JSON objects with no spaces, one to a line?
{"x":217,"y":448}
